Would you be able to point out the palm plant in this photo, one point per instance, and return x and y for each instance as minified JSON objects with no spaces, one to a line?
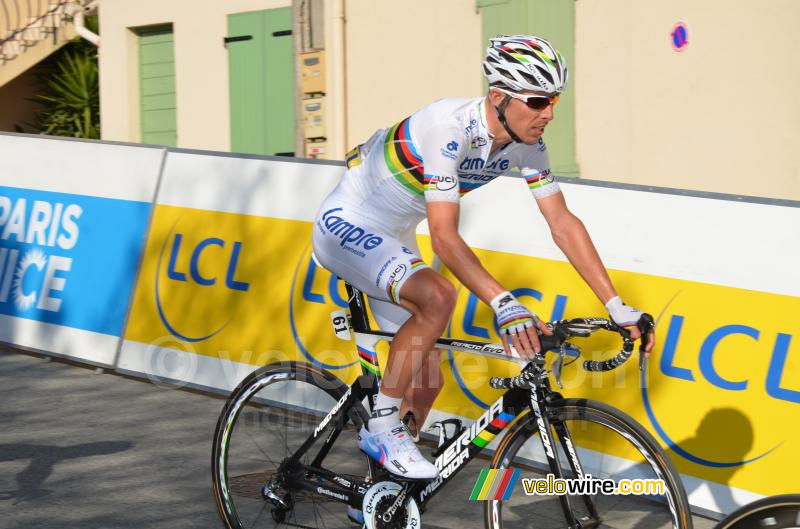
{"x":69,"y":92}
{"x":70,"y":97}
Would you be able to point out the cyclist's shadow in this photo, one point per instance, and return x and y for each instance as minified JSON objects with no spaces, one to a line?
{"x":42,"y":460}
{"x":723,"y":439}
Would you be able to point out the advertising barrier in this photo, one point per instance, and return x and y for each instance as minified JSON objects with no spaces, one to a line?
{"x":723,"y":387}
{"x":226,"y":283}
{"x":73,"y":218}
{"x":214,"y":298}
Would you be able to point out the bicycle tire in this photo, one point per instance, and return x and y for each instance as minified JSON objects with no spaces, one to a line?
{"x":265,"y":419}
{"x":590,"y":423}
{"x":775,"y":512}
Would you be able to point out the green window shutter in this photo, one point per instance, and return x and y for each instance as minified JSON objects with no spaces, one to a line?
{"x":555,"y":21}
{"x":261,"y":72}
{"x":157,"y":87}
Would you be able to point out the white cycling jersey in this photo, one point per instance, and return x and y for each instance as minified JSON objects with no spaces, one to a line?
{"x":440,"y":153}
{"x":365,"y":229}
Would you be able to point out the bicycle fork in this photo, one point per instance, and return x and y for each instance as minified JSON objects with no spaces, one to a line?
{"x":545,"y":426}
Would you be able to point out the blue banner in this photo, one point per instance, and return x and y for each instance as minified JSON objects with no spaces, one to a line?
{"x":69,"y":259}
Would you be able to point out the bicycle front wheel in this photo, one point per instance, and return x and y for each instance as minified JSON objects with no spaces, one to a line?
{"x":267,"y":419}
{"x":774,"y":512}
{"x":609,"y":445}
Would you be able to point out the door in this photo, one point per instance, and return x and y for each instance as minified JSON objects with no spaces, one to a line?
{"x":157,"y":86}
{"x":261,"y":73}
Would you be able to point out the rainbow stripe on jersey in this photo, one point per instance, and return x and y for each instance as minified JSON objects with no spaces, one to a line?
{"x":393,"y":284}
{"x":539,"y":179}
{"x":402,"y":158}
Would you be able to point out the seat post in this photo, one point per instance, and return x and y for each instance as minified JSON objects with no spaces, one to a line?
{"x":358,"y":309}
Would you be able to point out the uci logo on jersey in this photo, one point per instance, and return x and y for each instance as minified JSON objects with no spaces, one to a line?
{"x":443,"y":183}
{"x":351,"y":235}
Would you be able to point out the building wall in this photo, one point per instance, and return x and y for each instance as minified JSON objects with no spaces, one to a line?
{"x":723,"y":115}
{"x":401,"y":56}
{"x":201,"y":66}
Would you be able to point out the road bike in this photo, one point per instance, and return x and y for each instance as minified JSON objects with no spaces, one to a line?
{"x":285,"y":450}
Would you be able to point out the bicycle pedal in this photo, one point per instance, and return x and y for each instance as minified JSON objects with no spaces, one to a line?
{"x":444,"y":437}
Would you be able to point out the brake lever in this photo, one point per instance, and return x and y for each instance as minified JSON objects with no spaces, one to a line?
{"x":558,"y":363}
{"x":645,"y":325}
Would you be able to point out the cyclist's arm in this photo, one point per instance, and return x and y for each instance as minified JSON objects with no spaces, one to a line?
{"x":571,"y":237}
{"x":462,"y":261}
{"x":443,"y":147}
{"x":456,"y":254}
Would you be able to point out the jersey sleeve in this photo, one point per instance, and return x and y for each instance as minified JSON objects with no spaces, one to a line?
{"x":442,"y":148}
{"x":534,"y":166}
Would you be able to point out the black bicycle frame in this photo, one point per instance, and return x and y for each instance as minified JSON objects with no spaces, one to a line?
{"x":459,"y":449}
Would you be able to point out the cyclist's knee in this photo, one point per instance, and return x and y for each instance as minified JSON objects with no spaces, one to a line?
{"x":440,"y":299}
{"x":430,"y":294}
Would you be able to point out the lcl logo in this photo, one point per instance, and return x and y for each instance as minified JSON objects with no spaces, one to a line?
{"x":224,"y":256}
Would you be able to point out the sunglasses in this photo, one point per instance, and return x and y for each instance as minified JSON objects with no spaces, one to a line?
{"x":533,"y":102}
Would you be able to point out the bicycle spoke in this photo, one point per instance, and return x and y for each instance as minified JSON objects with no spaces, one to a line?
{"x":259,"y":514}
{"x":252,"y":439}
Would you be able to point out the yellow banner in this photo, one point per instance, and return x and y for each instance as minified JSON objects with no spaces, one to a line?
{"x":723,"y":386}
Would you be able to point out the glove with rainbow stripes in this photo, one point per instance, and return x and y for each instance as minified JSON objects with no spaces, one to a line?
{"x":512,"y":316}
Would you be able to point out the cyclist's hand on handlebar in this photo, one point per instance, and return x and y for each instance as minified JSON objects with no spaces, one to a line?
{"x":631,"y":319}
{"x":518,"y":325}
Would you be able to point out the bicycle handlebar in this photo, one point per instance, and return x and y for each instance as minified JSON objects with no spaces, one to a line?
{"x":563,"y":330}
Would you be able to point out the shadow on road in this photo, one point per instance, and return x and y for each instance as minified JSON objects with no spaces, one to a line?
{"x":42,"y":460}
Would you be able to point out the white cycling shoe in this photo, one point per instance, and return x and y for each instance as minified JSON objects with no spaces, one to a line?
{"x":395,"y":450}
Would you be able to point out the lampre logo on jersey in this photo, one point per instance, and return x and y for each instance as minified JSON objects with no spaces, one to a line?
{"x":475,"y":141}
{"x":348,"y":232}
{"x":495,"y":166}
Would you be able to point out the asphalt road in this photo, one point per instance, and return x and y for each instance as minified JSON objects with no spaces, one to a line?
{"x":86,"y":449}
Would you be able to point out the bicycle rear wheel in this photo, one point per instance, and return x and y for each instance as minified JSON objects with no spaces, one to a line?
{"x":609,"y":445}
{"x":266,"y":420}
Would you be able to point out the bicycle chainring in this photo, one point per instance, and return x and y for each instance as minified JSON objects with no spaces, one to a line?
{"x":377,"y":500}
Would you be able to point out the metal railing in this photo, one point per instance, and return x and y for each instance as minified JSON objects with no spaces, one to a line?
{"x":23,"y":23}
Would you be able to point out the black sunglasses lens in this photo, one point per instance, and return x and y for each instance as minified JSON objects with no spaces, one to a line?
{"x":538,"y":103}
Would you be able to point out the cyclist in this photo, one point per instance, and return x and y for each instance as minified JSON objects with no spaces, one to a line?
{"x":418,"y":168}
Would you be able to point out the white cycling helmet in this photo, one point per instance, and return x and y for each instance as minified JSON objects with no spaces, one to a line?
{"x":524,"y":62}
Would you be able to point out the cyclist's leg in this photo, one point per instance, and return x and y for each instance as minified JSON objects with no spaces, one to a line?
{"x":382,"y":265}
{"x":427,"y":380}
{"x":425,"y":387}
{"x":430,"y":299}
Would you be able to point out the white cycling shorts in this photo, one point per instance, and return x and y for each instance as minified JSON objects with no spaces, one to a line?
{"x":353,"y":243}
